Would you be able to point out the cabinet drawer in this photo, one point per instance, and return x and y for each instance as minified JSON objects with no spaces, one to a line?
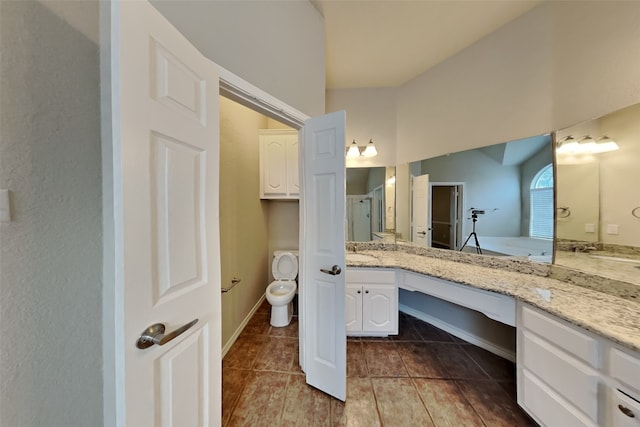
{"x":626,"y":410}
{"x":625,"y":368}
{"x":370,"y":276}
{"x":571,"y":340}
{"x":573,"y":380}
{"x":549,"y":408}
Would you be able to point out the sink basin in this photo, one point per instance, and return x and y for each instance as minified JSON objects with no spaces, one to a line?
{"x":360,"y":257}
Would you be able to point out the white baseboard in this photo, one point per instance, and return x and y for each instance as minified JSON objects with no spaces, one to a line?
{"x":238,"y":331}
{"x":460,"y":333}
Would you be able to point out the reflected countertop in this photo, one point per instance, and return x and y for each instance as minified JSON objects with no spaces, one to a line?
{"x":611,"y":316}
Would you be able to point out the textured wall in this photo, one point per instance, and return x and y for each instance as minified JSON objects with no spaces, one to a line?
{"x":50,"y":264}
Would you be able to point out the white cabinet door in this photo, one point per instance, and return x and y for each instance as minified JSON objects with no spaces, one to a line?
{"x":380,"y":309}
{"x":273,"y":158}
{"x":293,"y":176}
{"x":353,"y":308}
{"x":279,"y":172}
{"x":371,"y":302}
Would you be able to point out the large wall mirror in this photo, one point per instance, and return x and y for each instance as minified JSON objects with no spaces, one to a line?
{"x":370,"y":208}
{"x":598,"y":197}
{"x":494,"y":200}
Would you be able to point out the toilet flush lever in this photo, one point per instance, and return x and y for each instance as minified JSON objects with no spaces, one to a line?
{"x":335,"y":270}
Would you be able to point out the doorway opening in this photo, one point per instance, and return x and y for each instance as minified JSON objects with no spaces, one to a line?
{"x":251,"y":227}
{"x":445,"y":216}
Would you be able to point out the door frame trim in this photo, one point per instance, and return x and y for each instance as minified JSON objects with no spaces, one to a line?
{"x":459,"y":214}
{"x":243,"y":92}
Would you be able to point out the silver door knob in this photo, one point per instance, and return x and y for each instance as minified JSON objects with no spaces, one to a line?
{"x":335,"y":270}
{"x":154,"y":334}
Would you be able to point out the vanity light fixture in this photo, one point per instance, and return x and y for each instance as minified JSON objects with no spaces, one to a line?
{"x":605,"y":144}
{"x":586,"y":145}
{"x":353,"y":150}
{"x":368,"y":150}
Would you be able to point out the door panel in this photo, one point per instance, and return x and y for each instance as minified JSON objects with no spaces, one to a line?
{"x":166,"y":116}
{"x":323,"y":339}
{"x":420,"y":211}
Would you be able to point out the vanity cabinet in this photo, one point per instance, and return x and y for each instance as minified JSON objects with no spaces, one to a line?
{"x":624,"y":387}
{"x":279,"y":177}
{"x":371,"y":302}
{"x":558,"y":370}
{"x":568,"y":376}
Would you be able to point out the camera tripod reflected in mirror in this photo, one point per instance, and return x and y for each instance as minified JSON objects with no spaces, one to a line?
{"x":474,"y":218}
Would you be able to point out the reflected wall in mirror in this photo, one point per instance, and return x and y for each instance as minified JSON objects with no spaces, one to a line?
{"x":598,"y":198}
{"x":370,"y":207}
{"x":495,"y":200}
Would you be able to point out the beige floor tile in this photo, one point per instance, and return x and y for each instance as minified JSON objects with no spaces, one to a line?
{"x":496,"y":367}
{"x":305,"y":405}
{"x":356,"y":364}
{"x":457,"y":362}
{"x":244,"y":351}
{"x":291,"y":330}
{"x":446,"y":404}
{"x":261,"y":402}
{"x":399,"y":403}
{"x":233,"y":381}
{"x":421,"y":360}
{"x":383,"y":359}
{"x":493,"y":404}
{"x":360,"y":408}
{"x":277,"y":354}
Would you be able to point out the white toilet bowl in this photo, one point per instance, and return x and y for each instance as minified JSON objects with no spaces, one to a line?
{"x":281,"y":291}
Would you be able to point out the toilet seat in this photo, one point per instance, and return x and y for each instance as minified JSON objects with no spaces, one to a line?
{"x":284,"y":266}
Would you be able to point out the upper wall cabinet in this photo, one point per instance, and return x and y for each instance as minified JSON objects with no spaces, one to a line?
{"x":279,"y":164}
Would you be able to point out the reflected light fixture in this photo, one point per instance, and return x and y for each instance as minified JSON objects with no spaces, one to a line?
{"x":368,"y":150}
{"x":353,"y":150}
{"x":586,"y":145}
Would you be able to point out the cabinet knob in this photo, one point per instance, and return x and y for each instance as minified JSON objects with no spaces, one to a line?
{"x":359,"y":292}
{"x":628,"y":412}
{"x":366,"y":292}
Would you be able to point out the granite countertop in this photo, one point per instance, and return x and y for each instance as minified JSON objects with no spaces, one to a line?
{"x":610,"y":316}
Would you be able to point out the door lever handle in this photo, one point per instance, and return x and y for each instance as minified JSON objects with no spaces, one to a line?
{"x":335,"y":270}
{"x":424,"y":233}
{"x":154,"y":334}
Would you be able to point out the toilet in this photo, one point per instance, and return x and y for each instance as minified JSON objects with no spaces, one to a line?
{"x":281,"y":291}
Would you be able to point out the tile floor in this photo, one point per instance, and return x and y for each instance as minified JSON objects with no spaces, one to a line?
{"x":422,"y":377}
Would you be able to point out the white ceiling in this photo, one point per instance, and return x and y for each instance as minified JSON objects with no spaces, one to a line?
{"x":385,"y":43}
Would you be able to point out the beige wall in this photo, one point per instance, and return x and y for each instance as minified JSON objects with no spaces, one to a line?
{"x":51,"y":253}
{"x":619,"y":193}
{"x":244,"y":217}
{"x":536,"y":74}
{"x":250,"y":228}
{"x":371,"y":114}
{"x":278,"y":46}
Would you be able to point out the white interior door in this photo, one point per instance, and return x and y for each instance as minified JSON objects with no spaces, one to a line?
{"x":420,"y":211}
{"x":323,"y":342}
{"x":168,"y":122}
